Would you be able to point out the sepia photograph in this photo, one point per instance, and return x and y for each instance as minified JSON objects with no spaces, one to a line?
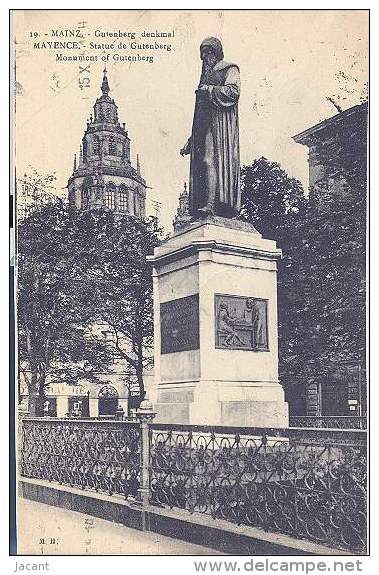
{"x":188,"y":275}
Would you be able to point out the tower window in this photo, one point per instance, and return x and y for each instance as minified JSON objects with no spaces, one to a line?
{"x":135,"y":202}
{"x":125,"y":150}
{"x":110,"y":196}
{"x":138,"y":205}
{"x":84,"y":149}
{"x":85,"y":198}
{"x":112,"y":146}
{"x":96,"y":146}
{"x":123,"y":200}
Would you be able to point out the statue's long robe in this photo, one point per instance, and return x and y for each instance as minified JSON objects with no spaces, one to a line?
{"x":215,"y":138}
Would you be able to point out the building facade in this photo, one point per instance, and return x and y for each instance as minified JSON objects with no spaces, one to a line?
{"x":338,"y":182}
{"x":337,"y":156}
{"x":104,"y":175}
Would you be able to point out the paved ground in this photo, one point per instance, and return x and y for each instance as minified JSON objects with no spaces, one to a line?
{"x":46,"y":530}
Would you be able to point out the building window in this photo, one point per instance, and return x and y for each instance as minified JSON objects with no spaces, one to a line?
{"x":85,"y":149}
{"x":85,"y":198}
{"x":123,"y":200}
{"x":96,"y":146}
{"x":136,"y":204}
{"x":108,"y":400}
{"x":49,"y":407}
{"x":125,"y":150}
{"x":110,"y":193}
{"x":112,"y":146}
{"x":78,"y":406}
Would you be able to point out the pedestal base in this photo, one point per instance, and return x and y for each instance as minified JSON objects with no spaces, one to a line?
{"x":215,"y":316}
{"x":217,"y":403}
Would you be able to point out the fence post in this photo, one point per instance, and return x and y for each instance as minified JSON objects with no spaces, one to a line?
{"x":145,"y":414}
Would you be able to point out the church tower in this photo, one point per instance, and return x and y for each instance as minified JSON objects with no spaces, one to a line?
{"x":104,"y":176}
{"x":182,"y":216}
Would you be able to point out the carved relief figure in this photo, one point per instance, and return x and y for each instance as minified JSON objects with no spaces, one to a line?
{"x":226,"y":325}
{"x":253,"y":316}
{"x":241,"y":323}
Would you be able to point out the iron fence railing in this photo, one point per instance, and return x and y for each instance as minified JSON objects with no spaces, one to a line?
{"x":306,"y":483}
{"x":329,"y":421}
{"x":99,"y":455}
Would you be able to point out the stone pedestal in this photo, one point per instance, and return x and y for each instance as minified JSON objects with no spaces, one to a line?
{"x":207,"y":372}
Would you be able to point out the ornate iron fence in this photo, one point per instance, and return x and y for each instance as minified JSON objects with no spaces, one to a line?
{"x":329,"y":421}
{"x":104,"y":456}
{"x":306,"y":484}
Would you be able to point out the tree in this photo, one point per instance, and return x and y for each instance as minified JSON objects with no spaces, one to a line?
{"x":330,"y":260}
{"x":115,"y":283}
{"x":321,"y":278}
{"x":275,"y":203}
{"x":270,"y":199}
{"x":324,"y":325}
{"x":34,"y":191}
{"x":55,"y":338}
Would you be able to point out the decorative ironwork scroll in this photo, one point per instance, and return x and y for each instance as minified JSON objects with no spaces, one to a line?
{"x":310,"y":490}
{"x":104,"y":456}
{"x":180,"y":324}
{"x":241,"y":323}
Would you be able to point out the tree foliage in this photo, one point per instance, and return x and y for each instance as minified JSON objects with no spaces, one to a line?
{"x":80,"y":275}
{"x":55,"y":338}
{"x":322,"y":293}
{"x":321,"y":278}
{"x":270,"y":198}
{"x":116,"y":283}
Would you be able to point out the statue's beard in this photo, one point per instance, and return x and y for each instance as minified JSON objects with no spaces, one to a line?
{"x":207,"y":66}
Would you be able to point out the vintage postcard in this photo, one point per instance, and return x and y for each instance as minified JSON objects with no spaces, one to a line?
{"x":189,"y":279}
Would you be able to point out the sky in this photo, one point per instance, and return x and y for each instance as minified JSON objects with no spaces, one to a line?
{"x":289,"y":62}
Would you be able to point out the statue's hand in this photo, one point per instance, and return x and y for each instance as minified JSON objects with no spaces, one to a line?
{"x":186,"y":148}
{"x":204,"y":88}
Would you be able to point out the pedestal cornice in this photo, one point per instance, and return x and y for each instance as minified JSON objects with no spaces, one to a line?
{"x":230,"y":237}
{"x":196,"y":246}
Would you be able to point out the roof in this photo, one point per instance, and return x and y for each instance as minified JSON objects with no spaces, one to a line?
{"x":125,"y":171}
{"x":340,"y":118}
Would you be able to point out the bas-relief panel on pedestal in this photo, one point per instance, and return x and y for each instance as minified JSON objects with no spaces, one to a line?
{"x":241,"y":323}
{"x":180,"y":324}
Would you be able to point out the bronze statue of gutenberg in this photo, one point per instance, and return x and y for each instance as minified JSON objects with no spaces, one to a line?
{"x":214,"y":142}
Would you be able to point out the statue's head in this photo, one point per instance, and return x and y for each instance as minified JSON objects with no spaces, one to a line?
{"x":211,"y":51}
